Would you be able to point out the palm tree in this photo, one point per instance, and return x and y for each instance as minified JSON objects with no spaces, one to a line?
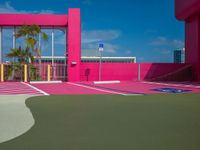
{"x":21,"y":55}
{"x":30,"y":32}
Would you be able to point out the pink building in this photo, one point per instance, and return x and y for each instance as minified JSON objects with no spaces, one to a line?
{"x":189,"y":11}
{"x":89,"y":71}
{"x":71,"y":22}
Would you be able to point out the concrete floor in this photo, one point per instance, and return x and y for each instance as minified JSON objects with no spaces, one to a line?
{"x":15,"y":117}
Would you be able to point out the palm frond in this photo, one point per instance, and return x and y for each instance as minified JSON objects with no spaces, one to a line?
{"x":30,"y":33}
{"x":30,"y":42}
{"x":45,"y":37}
{"x":15,"y":52}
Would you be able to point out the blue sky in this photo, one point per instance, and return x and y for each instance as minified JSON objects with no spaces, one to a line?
{"x":146,"y":29}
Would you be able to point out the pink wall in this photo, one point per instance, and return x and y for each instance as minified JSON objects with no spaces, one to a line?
{"x":74,"y":44}
{"x":126,"y":71}
{"x":110,"y":71}
{"x":189,"y":10}
{"x":153,"y":70}
{"x":29,"y":19}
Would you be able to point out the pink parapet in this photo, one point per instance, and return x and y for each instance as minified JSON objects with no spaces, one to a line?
{"x":130,"y":71}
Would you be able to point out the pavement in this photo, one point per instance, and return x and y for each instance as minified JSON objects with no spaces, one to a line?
{"x":15,"y":118}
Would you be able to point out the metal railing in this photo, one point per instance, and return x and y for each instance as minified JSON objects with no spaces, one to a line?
{"x":13,"y":72}
{"x":59,"y":72}
{"x":33,"y":72}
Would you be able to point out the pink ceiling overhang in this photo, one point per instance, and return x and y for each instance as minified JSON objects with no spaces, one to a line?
{"x":186,"y":8}
{"x":29,"y":19}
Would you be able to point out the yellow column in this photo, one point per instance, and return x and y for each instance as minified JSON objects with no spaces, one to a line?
{"x":25,"y":73}
{"x":2,"y":73}
{"x":48,"y":73}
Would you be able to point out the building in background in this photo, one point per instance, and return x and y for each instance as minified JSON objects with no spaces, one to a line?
{"x":109,"y":59}
{"x":179,"y":56}
{"x":62,"y":59}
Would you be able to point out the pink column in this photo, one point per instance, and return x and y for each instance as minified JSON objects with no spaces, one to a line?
{"x":189,"y":11}
{"x":192,"y":44}
{"x":74,"y":44}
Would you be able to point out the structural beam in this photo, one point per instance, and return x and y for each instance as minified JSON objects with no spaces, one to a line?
{"x":65,"y":55}
{"x":47,"y":20}
{"x":39,"y":41}
{"x":1,"y":46}
{"x":52,"y":47}
{"x":14,"y":38}
{"x":74,"y":44}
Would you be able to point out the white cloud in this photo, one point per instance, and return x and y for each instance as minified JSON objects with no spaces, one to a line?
{"x":151,"y":31}
{"x":92,"y":49}
{"x":163,"y":41}
{"x":165,"y":52}
{"x":91,"y":39}
{"x":159,"y":41}
{"x":128,"y":52}
{"x":89,"y":52}
{"x":178,"y":43}
{"x":84,"y":2}
{"x":99,"y":35}
{"x":140,"y":59}
{"x":111,"y":48}
{"x":6,"y":8}
{"x":87,"y":2}
{"x":60,"y":37}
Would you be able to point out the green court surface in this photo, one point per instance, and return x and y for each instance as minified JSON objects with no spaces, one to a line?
{"x":107,"y":122}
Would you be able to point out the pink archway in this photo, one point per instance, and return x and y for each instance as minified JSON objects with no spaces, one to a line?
{"x":72,"y":22}
{"x":189,"y":11}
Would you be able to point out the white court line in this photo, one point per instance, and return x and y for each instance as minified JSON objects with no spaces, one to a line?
{"x":45,"y":82}
{"x":176,"y":85}
{"x":35,"y":88}
{"x":29,"y":94}
{"x":106,"y":82}
{"x":97,"y":89}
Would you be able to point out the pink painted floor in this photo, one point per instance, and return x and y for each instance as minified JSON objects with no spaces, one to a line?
{"x":17,"y":88}
{"x":124,"y":88}
{"x":65,"y":88}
